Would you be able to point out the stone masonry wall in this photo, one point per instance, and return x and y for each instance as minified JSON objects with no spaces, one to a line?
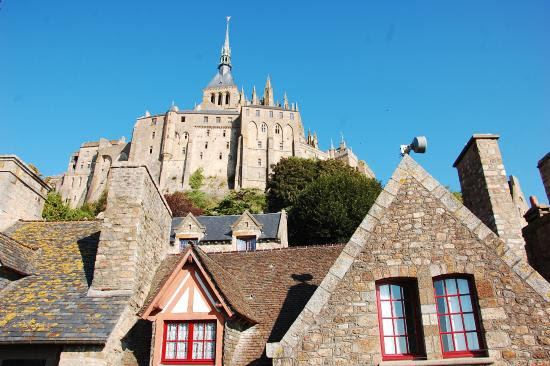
{"x":544,"y":169}
{"x":419,"y":237}
{"x":22,"y":192}
{"x":485,"y":189}
{"x":134,"y":239}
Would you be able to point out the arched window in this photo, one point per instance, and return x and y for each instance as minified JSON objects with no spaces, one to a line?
{"x":227,"y":145}
{"x":223,"y":133}
{"x":259,"y":144}
{"x":458,"y":316}
{"x":277,"y":129}
{"x":207,"y":132}
{"x":264,"y":127}
{"x":259,"y":162}
{"x":185,"y":135}
{"x":399,"y":319}
{"x":220,"y":156}
{"x":206,"y":145}
{"x":220,"y":99}
{"x":227,"y":98}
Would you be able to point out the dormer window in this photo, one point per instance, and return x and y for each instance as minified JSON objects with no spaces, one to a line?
{"x":184,"y":243}
{"x":246,"y":243}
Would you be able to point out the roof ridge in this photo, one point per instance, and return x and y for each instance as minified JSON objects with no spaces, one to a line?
{"x":32,"y":247}
{"x":301,"y":247}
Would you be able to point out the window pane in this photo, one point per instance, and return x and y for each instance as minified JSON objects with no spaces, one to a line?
{"x":463,"y":287}
{"x":453,"y":304}
{"x":397,"y":308}
{"x":395,"y":292}
{"x":209,"y":350}
{"x":473,"y":343}
{"x":172,"y":328}
{"x":469,"y":321}
{"x":197,"y":351}
{"x":182,"y":350}
{"x":387,"y":326}
{"x":210,"y":331}
{"x":401,"y":345}
{"x":389,"y":345}
{"x":171,"y":350}
{"x":447,"y":342}
{"x":384,"y":292}
{"x":466,"y":303}
{"x":451,"y":286}
{"x":460,"y":341}
{"x":442,"y":305}
{"x":439,"y":288}
{"x":198,"y":331}
{"x":456,"y":320}
{"x":399,"y":326}
{"x":445,"y":323}
{"x":183,"y":331}
{"x":386,"y":309}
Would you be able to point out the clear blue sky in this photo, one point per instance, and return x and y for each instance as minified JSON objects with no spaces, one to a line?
{"x":381,"y":72}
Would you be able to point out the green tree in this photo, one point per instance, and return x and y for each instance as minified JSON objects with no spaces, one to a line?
{"x":196,"y":179}
{"x":289,"y":178}
{"x":236,"y":202}
{"x":292,"y":175}
{"x":56,"y":210}
{"x":331,"y":208}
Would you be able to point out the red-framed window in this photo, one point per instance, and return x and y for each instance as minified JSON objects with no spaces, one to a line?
{"x":188,"y":342}
{"x":399,"y":319}
{"x":457,"y":315}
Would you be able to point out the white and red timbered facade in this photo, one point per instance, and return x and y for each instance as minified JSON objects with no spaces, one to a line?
{"x":188,"y":315}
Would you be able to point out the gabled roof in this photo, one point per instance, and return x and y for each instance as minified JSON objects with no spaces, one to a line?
{"x":15,"y":255}
{"x":407,"y":169}
{"x":269,"y":288}
{"x":218,"y":228}
{"x":246,"y":214}
{"x":51,"y":306}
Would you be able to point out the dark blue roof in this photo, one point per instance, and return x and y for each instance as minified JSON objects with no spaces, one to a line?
{"x":218,"y":228}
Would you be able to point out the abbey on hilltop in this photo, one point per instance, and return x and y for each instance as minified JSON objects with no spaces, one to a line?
{"x":235,"y":140}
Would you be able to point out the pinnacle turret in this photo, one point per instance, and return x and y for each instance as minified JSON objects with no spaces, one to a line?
{"x":225,"y":58}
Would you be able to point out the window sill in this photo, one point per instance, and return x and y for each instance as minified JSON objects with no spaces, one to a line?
{"x":442,"y":362}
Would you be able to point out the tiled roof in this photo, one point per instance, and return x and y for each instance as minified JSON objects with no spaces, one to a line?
{"x":15,"y":255}
{"x":50,"y":305}
{"x":218,"y":228}
{"x":269,"y":287}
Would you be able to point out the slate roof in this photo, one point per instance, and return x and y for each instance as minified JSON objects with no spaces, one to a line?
{"x":220,"y":79}
{"x":50,"y":305}
{"x":15,"y":255}
{"x":218,"y":228}
{"x":269,"y":287}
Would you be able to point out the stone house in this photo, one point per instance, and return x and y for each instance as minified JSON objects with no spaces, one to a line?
{"x":231,"y":232}
{"x":235,"y":139}
{"x":422,"y":281}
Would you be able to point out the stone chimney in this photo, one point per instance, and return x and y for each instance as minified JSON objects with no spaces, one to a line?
{"x":486,"y":191}
{"x":135,"y":235}
{"x":544,"y":169}
{"x":537,"y":237}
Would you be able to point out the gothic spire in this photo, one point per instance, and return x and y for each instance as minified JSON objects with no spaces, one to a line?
{"x":225,"y":58}
{"x":254,"y":96}
{"x":268,"y":92}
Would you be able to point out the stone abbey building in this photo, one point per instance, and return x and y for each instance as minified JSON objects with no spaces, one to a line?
{"x":234,"y":139}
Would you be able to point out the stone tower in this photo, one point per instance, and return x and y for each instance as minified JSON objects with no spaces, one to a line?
{"x":485,"y":189}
